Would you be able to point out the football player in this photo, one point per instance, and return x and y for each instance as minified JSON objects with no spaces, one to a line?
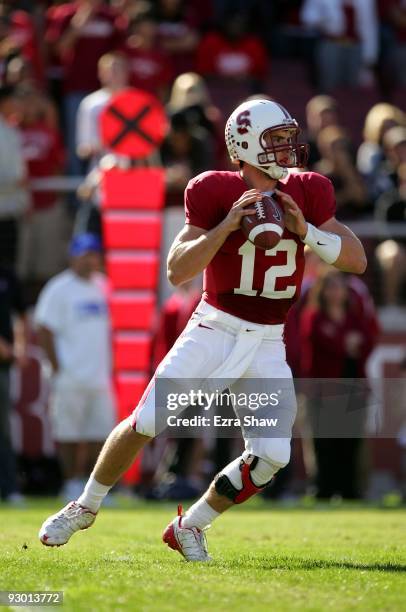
{"x":235,"y":334}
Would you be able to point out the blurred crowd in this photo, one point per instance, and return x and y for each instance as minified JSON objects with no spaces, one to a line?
{"x":60,"y":65}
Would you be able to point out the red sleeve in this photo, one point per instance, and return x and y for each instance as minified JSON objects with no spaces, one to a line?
{"x":57,"y":25}
{"x":258,"y":56}
{"x":369,"y":328}
{"x":120,"y":32}
{"x":174,"y":316}
{"x":306,"y":323}
{"x":167,"y":70}
{"x":319,"y":197}
{"x":58,"y":152}
{"x":206,"y":55}
{"x":166,"y":332}
{"x":370,"y":338}
{"x":292,"y":339}
{"x":24,"y":29}
{"x":201,"y":207}
{"x":317,"y":343}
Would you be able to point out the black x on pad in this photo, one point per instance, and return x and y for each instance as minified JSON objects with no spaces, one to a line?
{"x":131,"y":124}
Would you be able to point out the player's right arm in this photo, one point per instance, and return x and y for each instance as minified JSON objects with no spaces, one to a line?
{"x":194,"y":247}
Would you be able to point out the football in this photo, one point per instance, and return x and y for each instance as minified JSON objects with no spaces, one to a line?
{"x":265,"y":228}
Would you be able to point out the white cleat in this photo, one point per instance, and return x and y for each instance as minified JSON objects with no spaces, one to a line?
{"x":59,"y":527}
{"x":189,"y":541}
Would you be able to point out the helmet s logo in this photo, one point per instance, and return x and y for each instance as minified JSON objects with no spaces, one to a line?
{"x":243,"y":122}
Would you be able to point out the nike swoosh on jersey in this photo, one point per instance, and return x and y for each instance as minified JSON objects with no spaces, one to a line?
{"x":321,"y":243}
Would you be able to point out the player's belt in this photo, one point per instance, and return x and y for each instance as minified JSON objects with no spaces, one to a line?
{"x":235,"y":324}
{"x":248,"y":337}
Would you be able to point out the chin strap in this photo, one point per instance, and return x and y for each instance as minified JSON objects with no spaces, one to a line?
{"x":274,"y":171}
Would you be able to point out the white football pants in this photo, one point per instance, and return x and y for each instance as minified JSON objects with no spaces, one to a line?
{"x":218,"y":351}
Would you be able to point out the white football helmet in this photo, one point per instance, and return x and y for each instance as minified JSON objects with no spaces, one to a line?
{"x":249,"y":135}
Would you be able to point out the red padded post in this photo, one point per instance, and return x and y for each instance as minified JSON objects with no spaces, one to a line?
{"x":129,"y":388}
{"x":138,"y":188}
{"x":131,"y":231}
{"x":132,"y":126}
{"x":133,"y":271}
{"x":132,"y":351}
{"x":132,"y":310}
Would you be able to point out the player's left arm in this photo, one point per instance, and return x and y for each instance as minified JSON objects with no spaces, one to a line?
{"x":333,"y":242}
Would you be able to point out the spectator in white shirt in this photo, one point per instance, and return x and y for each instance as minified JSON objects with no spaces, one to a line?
{"x":113,"y":75}
{"x":348,"y":45}
{"x":14,"y":196}
{"x":74,"y":331}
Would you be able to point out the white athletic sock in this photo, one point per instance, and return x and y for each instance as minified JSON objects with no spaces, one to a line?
{"x":93,"y":494}
{"x":200,"y":515}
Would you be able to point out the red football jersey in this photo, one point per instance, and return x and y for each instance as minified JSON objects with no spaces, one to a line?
{"x":251,"y":283}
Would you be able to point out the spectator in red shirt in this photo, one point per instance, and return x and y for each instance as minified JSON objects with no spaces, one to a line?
{"x":54,"y":68}
{"x":18,"y":37}
{"x":233,"y":53}
{"x":179,"y":23}
{"x":150,"y":67}
{"x":316,"y":269}
{"x":43,"y":228}
{"x":19,"y":75}
{"x":81,"y":32}
{"x":338,"y":334}
{"x":337,"y":337}
{"x":173,"y":317}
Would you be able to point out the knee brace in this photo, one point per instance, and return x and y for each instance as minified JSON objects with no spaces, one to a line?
{"x":236,"y":481}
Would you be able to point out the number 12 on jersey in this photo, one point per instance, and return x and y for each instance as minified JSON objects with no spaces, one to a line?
{"x":247,"y":251}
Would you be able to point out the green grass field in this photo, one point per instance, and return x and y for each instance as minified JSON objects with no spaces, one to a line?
{"x":266,"y":558}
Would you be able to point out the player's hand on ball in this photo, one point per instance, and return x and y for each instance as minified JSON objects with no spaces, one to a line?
{"x":233,"y":220}
{"x":294,"y":219}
